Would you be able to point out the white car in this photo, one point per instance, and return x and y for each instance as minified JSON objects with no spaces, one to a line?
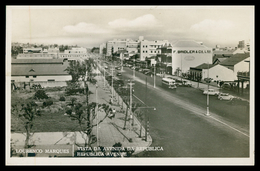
{"x":225,"y":96}
{"x":211,"y":92}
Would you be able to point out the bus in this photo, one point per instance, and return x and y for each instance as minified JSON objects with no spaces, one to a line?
{"x":169,"y":83}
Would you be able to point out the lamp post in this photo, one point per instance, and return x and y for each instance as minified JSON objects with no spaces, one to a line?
{"x":97,"y":112}
{"x":131,"y":100}
{"x":134,"y":70}
{"x":208,"y":93}
{"x":112,"y":69}
{"x":154,"y":75}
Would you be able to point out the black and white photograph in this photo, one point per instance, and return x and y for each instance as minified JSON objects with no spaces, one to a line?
{"x":130,"y":85}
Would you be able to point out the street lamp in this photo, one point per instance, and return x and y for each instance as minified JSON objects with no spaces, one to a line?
{"x":208,"y":93}
{"x":131,"y":100}
{"x":154,"y":75}
{"x":97,"y":111}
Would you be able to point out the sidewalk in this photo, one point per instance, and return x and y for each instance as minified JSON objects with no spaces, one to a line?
{"x":109,"y":132}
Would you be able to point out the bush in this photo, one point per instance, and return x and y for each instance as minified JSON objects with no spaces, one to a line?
{"x":47,"y":103}
{"x":40,"y":94}
{"x":62,"y":98}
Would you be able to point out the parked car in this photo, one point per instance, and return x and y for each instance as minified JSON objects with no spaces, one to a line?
{"x":119,"y":74}
{"x":118,"y":68}
{"x":185,"y":84}
{"x":140,"y":69}
{"x":208,"y":80}
{"x":225,"y":96}
{"x":211,"y":92}
{"x":106,"y":67}
{"x":173,"y":87}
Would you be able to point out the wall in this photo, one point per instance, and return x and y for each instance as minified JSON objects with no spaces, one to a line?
{"x":187,"y":60}
{"x":241,"y":66}
{"x":147,"y":46}
{"x":41,"y":78}
{"x":223,"y":73}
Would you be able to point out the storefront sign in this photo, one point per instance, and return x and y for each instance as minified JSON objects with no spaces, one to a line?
{"x":194,"y":51}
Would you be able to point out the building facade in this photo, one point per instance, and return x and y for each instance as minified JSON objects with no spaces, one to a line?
{"x":189,"y":53}
{"x":49,"y":72}
{"x":150,"y":48}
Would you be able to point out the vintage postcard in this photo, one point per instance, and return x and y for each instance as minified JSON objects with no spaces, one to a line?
{"x":130,"y":85}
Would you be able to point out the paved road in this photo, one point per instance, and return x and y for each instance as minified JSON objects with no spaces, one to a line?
{"x":180,"y":126}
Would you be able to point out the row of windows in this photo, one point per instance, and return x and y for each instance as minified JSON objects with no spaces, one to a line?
{"x":151,"y":51}
{"x":27,"y":76}
{"x":155,"y":46}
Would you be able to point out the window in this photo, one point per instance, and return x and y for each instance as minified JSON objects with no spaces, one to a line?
{"x":34,"y":76}
{"x":146,"y":46}
{"x":143,"y":51}
{"x":27,"y":76}
{"x":51,"y":80}
{"x":151,"y":51}
{"x":146,"y":51}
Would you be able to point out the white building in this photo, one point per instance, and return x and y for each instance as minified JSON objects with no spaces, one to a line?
{"x":150,"y":48}
{"x":49,"y":72}
{"x":76,"y":51}
{"x":131,"y":46}
{"x":189,"y":53}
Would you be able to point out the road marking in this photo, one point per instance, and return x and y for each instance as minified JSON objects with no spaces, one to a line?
{"x":138,"y":99}
{"x":191,"y":108}
{"x":229,"y":126}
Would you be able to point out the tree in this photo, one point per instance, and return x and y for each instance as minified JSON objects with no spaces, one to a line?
{"x":84,"y":115}
{"x":27,"y":113}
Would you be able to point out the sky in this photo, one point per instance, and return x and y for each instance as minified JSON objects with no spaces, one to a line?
{"x":90,"y":26}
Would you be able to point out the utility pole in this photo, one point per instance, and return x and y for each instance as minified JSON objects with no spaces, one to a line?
{"x":154,"y":76}
{"x":208,"y":93}
{"x":131,"y":101}
{"x":97,"y":112}
{"x":112,"y":84}
{"x":134,"y":70}
{"x":146,"y":109}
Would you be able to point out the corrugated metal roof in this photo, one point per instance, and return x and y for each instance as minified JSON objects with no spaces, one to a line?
{"x":36,"y":61}
{"x":38,"y":69}
{"x":204,"y":66}
{"x":234,"y":59}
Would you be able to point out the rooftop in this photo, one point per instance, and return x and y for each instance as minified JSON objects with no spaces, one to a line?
{"x":36,"y":61}
{"x":204,"y":66}
{"x":234,"y":59}
{"x":39,"y":69}
{"x":188,"y":43}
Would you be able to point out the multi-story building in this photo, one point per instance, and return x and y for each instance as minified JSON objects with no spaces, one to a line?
{"x":115,"y":45}
{"x":150,"y":48}
{"x":189,"y":53}
{"x":76,"y":51}
{"x":131,"y":46}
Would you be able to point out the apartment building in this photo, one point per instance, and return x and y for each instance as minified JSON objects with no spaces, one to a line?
{"x":150,"y":48}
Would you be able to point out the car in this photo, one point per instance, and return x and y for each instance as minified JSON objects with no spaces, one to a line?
{"x":211,"y":92}
{"x":208,"y":80}
{"x":106,"y":67}
{"x":186,"y":84}
{"x":225,"y":96}
{"x":119,"y":74}
{"x":173,"y":87}
{"x":118,"y":68}
{"x":140,"y":69}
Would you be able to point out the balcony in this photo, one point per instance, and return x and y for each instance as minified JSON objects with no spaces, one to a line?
{"x":243,"y":75}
